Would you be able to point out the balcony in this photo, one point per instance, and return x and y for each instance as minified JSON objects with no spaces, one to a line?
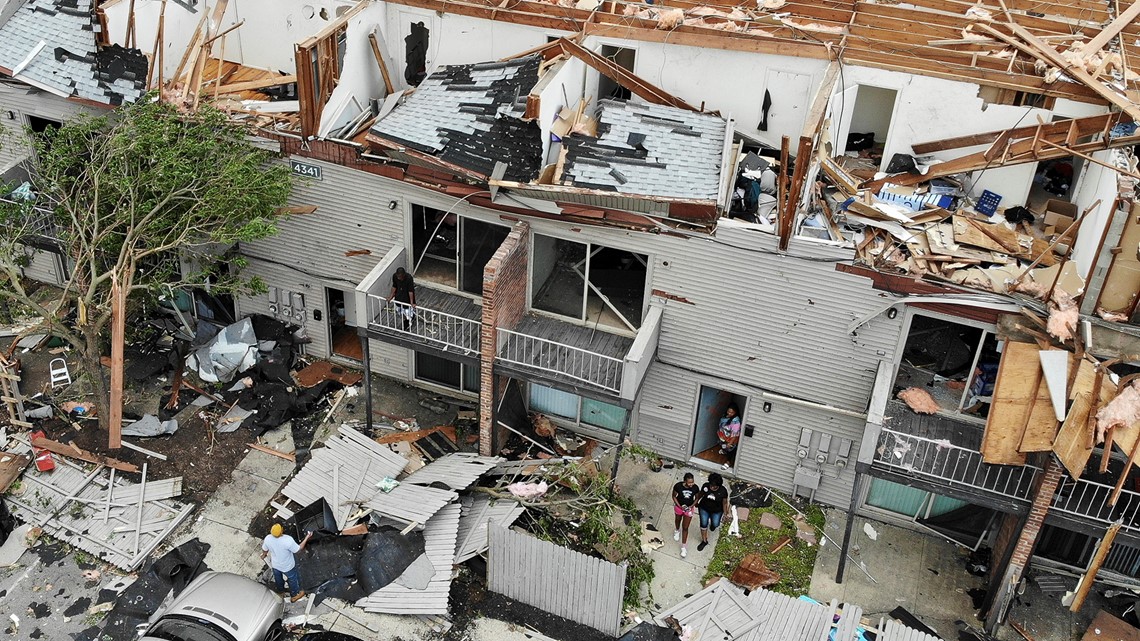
{"x":1083,"y":503}
{"x":442,"y":321}
{"x":580,"y":358}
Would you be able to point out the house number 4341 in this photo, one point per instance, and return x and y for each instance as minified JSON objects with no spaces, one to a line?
{"x":307,"y":170}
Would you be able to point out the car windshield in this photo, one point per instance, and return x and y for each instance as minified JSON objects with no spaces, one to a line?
{"x":182,"y":628}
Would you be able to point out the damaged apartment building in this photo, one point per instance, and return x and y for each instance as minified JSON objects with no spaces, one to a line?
{"x":629,"y":217}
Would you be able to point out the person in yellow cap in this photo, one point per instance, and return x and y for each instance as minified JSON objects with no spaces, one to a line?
{"x":280,"y":548}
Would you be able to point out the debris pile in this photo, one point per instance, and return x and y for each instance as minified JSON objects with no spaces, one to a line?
{"x":935,"y":231}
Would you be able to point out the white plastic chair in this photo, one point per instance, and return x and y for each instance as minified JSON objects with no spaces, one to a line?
{"x":60,"y":376}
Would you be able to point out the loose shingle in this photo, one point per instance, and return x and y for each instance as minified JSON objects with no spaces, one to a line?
{"x":70,"y":62}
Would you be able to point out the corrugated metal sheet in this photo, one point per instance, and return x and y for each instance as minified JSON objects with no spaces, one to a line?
{"x":410,"y":504}
{"x":722,"y":611}
{"x":344,"y":472}
{"x":439,"y":546}
{"x":44,"y":267}
{"x":667,"y":413}
{"x":555,"y":579}
{"x":457,"y":470}
{"x":478,"y":511}
{"x":69,"y":503}
{"x":307,"y":254}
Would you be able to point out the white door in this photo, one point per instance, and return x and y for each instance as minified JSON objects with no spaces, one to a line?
{"x":791,"y":98}
{"x":842,"y":109}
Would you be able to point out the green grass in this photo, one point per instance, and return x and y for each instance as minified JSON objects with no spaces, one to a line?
{"x":794,"y":562}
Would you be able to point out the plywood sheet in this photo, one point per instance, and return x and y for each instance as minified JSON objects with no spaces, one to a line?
{"x":993,"y":237}
{"x":1122,"y":283}
{"x":1106,"y":627}
{"x":1014,"y":395}
{"x":1042,"y":426}
{"x":1071,"y":444}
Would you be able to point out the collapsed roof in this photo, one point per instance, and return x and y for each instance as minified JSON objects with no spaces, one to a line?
{"x":471,"y":116}
{"x":53,"y":45}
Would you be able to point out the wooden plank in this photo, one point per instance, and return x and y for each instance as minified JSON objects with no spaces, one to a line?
{"x":143,"y":450}
{"x":1041,"y":423}
{"x":252,"y":85}
{"x":1014,"y":391}
{"x":118,"y":340}
{"x":288,"y":456}
{"x":1094,"y":566}
{"x":377,"y":52}
{"x":1111,"y":31}
{"x":1071,"y":445}
{"x":74,"y":451}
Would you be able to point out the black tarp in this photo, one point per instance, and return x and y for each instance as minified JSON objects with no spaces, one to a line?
{"x":172,"y":571}
{"x":646,"y":631}
{"x":352,"y":567}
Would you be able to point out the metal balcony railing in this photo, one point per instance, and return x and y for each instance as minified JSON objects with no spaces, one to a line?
{"x":561,"y":360}
{"x":437,"y":329}
{"x":952,"y":464}
{"x":1089,"y":499}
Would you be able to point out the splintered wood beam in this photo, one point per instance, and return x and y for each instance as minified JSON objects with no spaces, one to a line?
{"x":814,"y":119}
{"x":1112,"y":30}
{"x":118,"y":340}
{"x":1016,"y":153}
{"x":1033,"y":46}
{"x":373,"y":40}
{"x":623,"y":77}
{"x":1094,"y":567}
{"x":253,"y":85}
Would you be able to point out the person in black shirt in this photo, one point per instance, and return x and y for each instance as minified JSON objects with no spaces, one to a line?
{"x":404,"y":291}
{"x":712,"y":503}
{"x":684,"y":496}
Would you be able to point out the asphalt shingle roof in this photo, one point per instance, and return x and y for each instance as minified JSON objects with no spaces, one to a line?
{"x":649,"y":150}
{"x":70,"y":61}
{"x":471,"y":116}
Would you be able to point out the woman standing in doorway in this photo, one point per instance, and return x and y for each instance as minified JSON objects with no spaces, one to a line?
{"x":729,"y":434}
{"x":712,"y":503}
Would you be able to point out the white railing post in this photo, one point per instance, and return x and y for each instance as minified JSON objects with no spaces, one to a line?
{"x":549,"y":356}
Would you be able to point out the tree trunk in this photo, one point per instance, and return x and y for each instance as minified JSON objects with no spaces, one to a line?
{"x":93,"y":370}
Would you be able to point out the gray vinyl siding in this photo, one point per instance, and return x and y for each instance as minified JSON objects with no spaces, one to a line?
{"x":308,"y":252}
{"x":776,"y":322}
{"x":667,"y":410}
{"x":25,"y":101}
{"x":44,"y":267}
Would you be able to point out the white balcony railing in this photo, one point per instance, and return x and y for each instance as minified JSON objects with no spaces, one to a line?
{"x":442,"y":331}
{"x":1089,"y":499}
{"x":557,"y":359}
{"x":952,"y":464}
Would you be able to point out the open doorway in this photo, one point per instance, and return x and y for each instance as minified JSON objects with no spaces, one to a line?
{"x":415,"y":53}
{"x":871,"y":122}
{"x":343,"y":340}
{"x":714,"y":405}
{"x":590,"y":283}
{"x":624,"y":58}
{"x":1054,"y":179}
{"x":955,"y":362}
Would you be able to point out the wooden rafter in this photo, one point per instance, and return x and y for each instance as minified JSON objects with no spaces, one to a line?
{"x":1072,"y":128}
{"x":1018,"y":146}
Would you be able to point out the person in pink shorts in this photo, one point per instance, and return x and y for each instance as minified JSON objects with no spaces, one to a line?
{"x":684,"y":498}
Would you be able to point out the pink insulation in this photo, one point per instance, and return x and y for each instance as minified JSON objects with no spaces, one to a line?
{"x":1122,"y":411}
{"x":919,"y":400}
{"x":1063,"y":316}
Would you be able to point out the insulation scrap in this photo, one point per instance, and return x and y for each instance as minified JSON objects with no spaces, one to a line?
{"x":1063,"y":316}
{"x":770,"y":4}
{"x":978,"y":13}
{"x":528,"y":491}
{"x":542,"y":426}
{"x":814,"y":26}
{"x":1114,"y":317}
{"x":919,"y":400}
{"x":1031,"y":288}
{"x":1122,"y":411}
{"x":670,"y":18}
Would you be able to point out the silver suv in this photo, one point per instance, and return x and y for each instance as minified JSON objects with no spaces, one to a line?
{"x":220,"y":606}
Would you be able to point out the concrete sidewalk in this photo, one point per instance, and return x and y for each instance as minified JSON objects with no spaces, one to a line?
{"x":675,"y":578}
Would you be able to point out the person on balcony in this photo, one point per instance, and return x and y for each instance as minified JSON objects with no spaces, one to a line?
{"x":404,"y":291}
{"x":729,"y":434}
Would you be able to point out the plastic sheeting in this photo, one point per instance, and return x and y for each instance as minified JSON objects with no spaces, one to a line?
{"x":233,"y":350}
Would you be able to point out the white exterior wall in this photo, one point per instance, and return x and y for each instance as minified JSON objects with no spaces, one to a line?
{"x":16,"y":104}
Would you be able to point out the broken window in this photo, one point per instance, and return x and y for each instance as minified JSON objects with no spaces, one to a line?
{"x":964,"y":523}
{"x":576,"y":409}
{"x":450,"y":374}
{"x":415,"y":54}
{"x":1015,"y":98}
{"x":588,"y":282}
{"x":956,"y":363}
{"x":451,"y":250}
{"x":40,"y":125}
{"x":624,"y":58}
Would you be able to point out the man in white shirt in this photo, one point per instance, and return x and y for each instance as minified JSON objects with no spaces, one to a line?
{"x":280,"y":548}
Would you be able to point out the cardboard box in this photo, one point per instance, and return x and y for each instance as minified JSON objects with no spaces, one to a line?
{"x":1059,"y":214}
